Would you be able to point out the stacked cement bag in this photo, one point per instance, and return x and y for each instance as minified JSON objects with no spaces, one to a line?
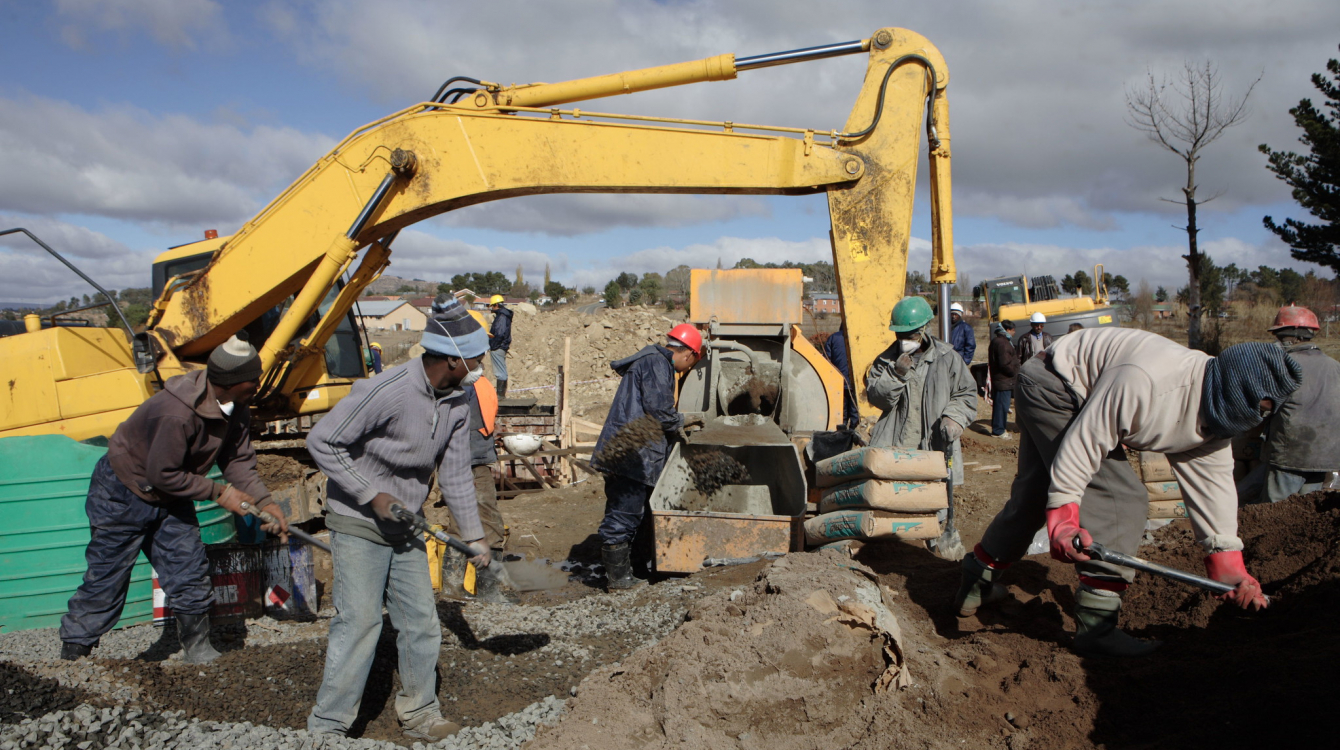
{"x":1165,"y":494}
{"x":879,"y":493}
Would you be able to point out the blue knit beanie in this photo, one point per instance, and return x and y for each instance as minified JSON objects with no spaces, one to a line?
{"x":1237,"y":380}
{"x":453,"y":332}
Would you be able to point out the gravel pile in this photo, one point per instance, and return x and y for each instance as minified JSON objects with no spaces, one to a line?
{"x":91,"y":728}
{"x":158,"y":644}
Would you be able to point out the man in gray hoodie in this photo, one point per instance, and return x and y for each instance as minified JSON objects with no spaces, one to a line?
{"x":1079,"y":402}
{"x":379,"y":447}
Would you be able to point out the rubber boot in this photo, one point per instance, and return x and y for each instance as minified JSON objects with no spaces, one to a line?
{"x":433,"y":728}
{"x":618,"y":569}
{"x":72,"y":651}
{"x":453,"y":576}
{"x":976,"y":587}
{"x":502,"y":389}
{"x":493,"y":585}
{"x":1097,"y":612}
{"x":193,"y":632}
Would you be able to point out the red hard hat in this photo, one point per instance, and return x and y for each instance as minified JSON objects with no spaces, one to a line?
{"x":688,"y":336}
{"x":1294,"y":316}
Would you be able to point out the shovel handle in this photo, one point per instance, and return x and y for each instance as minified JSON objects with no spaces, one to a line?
{"x":420,"y":525}
{"x":1100,"y":552}
{"x":299,"y":533}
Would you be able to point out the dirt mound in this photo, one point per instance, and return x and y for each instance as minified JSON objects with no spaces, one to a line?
{"x":277,"y":471}
{"x":713,"y":470}
{"x":794,"y":659}
{"x":623,"y":445}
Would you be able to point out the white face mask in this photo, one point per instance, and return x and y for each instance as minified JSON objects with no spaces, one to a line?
{"x":227,"y":408}
{"x":908,"y":345}
{"x":472,"y":376}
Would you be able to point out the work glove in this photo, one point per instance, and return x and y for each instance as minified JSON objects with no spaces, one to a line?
{"x":950,"y":429}
{"x":483,"y":555}
{"x":1227,"y":567}
{"x":694,"y":419}
{"x":231,"y":500}
{"x":902,"y":365}
{"x":1063,"y":529}
{"x":681,"y":435}
{"x":278,"y":527}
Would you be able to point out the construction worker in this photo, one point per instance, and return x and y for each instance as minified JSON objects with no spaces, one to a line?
{"x":647,"y":389}
{"x":1302,"y":438}
{"x":961,"y":336}
{"x":143,"y":496}
{"x":375,"y":358}
{"x":835,"y":351}
{"x":379,"y":447}
{"x":492,"y":584}
{"x":1077,"y":404}
{"x":923,"y":387}
{"x":500,"y":340}
{"x":1035,"y":340}
{"x":1002,"y":362}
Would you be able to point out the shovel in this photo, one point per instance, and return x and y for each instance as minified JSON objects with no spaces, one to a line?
{"x":1099,"y":552}
{"x":949,"y":546}
{"x":292,"y":531}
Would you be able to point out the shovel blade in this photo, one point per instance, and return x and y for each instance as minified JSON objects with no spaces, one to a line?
{"x":948,"y":546}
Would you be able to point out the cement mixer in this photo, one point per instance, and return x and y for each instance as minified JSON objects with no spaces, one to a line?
{"x":763,"y":390}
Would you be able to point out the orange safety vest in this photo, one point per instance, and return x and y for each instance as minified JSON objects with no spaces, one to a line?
{"x":488,"y":405}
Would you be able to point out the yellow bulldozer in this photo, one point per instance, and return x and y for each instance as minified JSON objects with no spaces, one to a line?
{"x":1017,"y":298}
{"x":291,"y":275}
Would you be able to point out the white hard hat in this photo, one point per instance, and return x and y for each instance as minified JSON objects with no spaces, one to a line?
{"x":956,"y":307}
{"x":1038,"y":318}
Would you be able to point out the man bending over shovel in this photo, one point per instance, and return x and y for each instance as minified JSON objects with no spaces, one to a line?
{"x":1078,"y":403}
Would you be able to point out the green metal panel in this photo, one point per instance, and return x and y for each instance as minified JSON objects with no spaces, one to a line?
{"x":43,"y":486}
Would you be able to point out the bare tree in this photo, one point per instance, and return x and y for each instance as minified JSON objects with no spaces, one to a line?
{"x":1184,"y":115}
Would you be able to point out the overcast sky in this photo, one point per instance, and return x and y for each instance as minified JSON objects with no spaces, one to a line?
{"x":129,"y":126}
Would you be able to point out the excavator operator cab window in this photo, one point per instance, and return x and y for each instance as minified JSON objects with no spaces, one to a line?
{"x":1001,"y":292}
{"x":163,"y":272}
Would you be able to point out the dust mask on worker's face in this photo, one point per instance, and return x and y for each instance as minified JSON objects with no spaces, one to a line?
{"x":227,"y":408}
{"x":472,"y":376}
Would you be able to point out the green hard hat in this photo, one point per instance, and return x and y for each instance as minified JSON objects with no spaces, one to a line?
{"x":910,"y":314}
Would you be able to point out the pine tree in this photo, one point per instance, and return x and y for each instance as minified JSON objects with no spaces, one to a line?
{"x":1315,"y":177}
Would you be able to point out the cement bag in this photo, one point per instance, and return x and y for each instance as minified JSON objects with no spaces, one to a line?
{"x":886,"y":494}
{"x":881,"y":463}
{"x":1167,"y":509}
{"x":1163,"y":491}
{"x":868,"y":524}
{"x":1154,"y":467}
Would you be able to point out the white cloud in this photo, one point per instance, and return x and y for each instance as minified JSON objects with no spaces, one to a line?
{"x":29,"y":274}
{"x":419,"y":255}
{"x":729,"y":250}
{"x":177,"y":24}
{"x":1036,"y":91}
{"x":122,"y":162}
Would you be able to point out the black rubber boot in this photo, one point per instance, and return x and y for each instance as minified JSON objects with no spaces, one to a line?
{"x":193,"y":632}
{"x":72,"y":651}
{"x":618,"y":570}
{"x":502,"y":389}
{"x":493,"y":585}
{"x":976,"y":587}
{"x":453,"y":575}
{"x":1098,"y":634}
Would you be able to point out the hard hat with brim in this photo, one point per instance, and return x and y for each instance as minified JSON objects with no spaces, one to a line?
{"x":956,"y":308}
{"x":1293,"y":316}
{"x":910,"y":314}
{"x":689,"y":336}
{"x":1037,"y":318}
{"x":496,"y":299}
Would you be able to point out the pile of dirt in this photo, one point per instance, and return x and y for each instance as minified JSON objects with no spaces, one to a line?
{"x":623,"y":446}
{"x":24,"y":695}
{"x":713,"y":470}
{"x":795,"y":659}
{"x":278,"y":471}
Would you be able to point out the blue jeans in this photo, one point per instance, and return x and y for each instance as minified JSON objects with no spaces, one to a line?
{"x":366,"y":574}
{"x":626,"y":503}
{"x":499,"y":359}
{"x":1000,"y":411}
{"x":120,"y":526}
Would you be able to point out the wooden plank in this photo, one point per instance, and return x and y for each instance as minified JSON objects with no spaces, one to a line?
{"x":576,"y":449}
{"x":584,"y":466}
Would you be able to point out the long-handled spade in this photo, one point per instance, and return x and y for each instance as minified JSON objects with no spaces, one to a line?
{"x":1099,"y":552}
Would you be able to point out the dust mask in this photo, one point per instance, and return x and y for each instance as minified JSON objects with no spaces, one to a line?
{"x":227,"y":408}
{"x":472,"y":376}
{"x":908,"y":346}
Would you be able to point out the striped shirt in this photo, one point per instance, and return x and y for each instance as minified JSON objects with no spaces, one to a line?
{"x":388,"y":435}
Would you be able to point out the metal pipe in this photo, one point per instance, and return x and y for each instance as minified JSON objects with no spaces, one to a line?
{"x":293,"y":530}
{"x":944,"y":313}
{"x":801,"y":55}
{"x":1137,"y":563}
{"x":736,"y":346}
{"x":370,"y":206}
{"x":129,"y":330}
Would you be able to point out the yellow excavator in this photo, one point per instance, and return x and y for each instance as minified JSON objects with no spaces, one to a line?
{"x":1017,"y":298}
{"x":291,"y":275}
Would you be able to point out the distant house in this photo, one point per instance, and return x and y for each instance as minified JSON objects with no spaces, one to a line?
{"x":1164,"y":310}
{"x":543,"y":299}
{"x":823,"y":302}
{"x":424,"y":304}
{"x":390,"y":315}
{"x":379,"y":298}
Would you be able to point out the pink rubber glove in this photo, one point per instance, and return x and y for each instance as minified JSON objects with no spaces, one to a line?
{"x":1062,"y":529}
{"x":1227,"y":567}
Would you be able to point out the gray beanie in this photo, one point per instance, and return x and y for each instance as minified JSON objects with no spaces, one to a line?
{"x":1237,"y":380}
{"x":234,"y":361}
{"x":453,"y":332}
